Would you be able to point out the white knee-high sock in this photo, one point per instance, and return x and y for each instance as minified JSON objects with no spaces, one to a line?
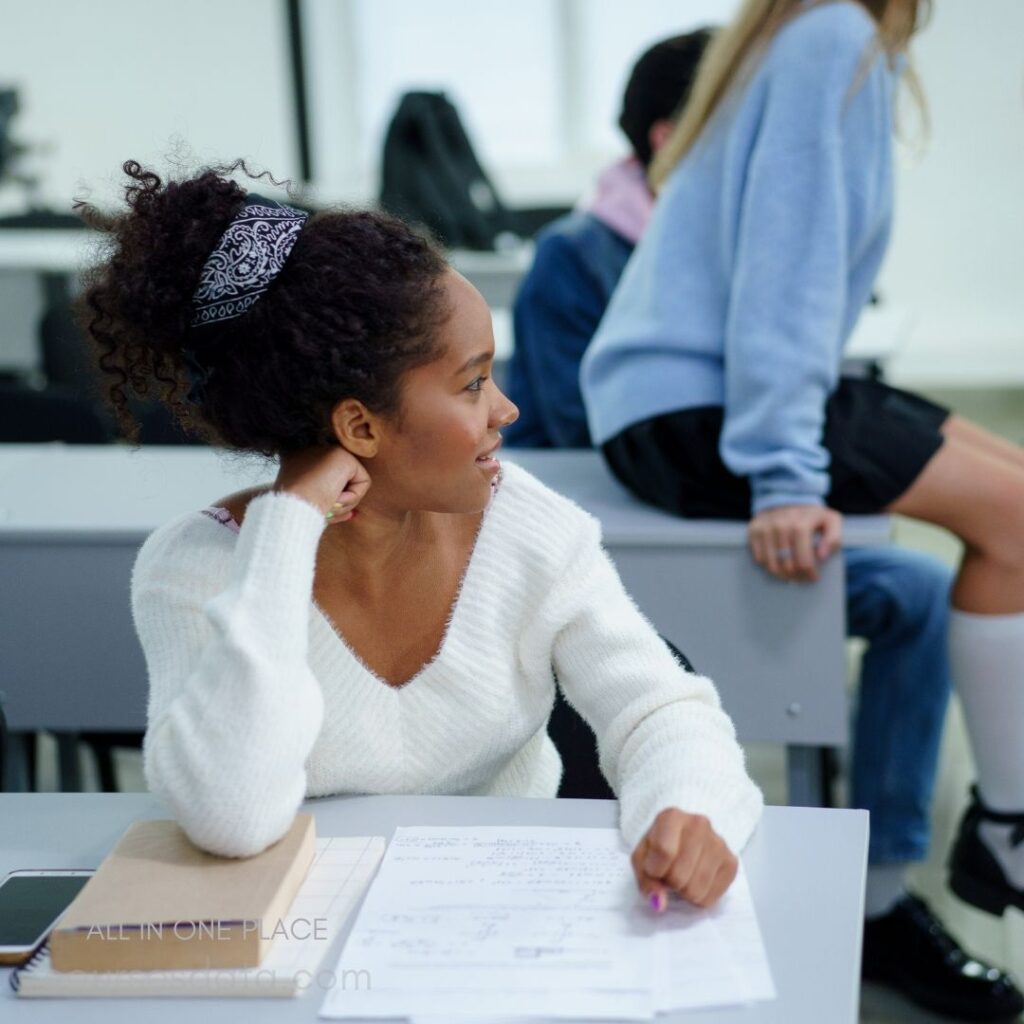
{"x":987,"y":660}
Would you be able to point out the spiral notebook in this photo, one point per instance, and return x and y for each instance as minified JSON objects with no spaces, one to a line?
{"x":340,"y":873}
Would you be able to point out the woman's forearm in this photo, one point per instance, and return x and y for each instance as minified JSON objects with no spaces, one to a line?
{"x":234,"y":708}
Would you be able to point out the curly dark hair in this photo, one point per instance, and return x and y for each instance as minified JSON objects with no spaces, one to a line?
{"x":358,"y":303}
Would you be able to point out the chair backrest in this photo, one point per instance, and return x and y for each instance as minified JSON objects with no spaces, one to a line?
{"x":66,"y":358}
{"x":3,"y":747}
{"x":157,"y":424}
{"x":68,"y":364}
{"x":31,"y":416}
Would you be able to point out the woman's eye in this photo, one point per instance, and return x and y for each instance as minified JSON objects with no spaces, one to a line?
{"x":476,"y":385}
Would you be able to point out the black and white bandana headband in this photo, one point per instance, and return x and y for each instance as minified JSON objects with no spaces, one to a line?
{"x":249,"y":255}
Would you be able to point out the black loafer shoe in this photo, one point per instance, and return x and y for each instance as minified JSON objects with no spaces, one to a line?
{"x":910,"y":950}
{"x":974,"y":873}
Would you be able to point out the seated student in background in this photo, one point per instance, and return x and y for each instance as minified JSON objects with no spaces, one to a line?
{"x":389,"y":614}
{"x":579,"y":257}
{"x":713,"y":385}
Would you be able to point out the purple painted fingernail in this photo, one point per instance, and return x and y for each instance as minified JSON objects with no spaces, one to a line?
{"x":657,"y":901}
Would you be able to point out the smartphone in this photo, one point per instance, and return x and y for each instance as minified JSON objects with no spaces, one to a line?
{"x":31,"y":903}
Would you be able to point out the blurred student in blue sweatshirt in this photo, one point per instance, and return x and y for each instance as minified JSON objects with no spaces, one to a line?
{"x":580,"y":256}
{"x":897,"y":600}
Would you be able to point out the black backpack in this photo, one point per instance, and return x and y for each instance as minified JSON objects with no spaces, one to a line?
{"x":431,"y":176}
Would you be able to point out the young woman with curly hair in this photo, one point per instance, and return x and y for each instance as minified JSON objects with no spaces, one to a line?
{"x":389,"y":615}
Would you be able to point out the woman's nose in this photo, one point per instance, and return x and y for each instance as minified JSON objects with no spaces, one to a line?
{"x":504,"y":411}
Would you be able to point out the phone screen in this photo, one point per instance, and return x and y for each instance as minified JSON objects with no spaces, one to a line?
{"x":30,"y":904}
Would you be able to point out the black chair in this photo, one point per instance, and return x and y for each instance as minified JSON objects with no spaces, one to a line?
{"x":103,"y":745}
{"x":66,"y":359}
{"x":577,"y":744}
{"x":68,"y":363}
{"x":31,"y":416}
{"x":3,"y":747}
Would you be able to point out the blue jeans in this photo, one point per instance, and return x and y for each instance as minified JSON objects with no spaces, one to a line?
{"x":898,"y":601}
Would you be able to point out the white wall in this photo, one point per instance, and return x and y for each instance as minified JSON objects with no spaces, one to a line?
{"x":105,"y":80}
{"x":957,"y":257}
{"x":538,"y":83}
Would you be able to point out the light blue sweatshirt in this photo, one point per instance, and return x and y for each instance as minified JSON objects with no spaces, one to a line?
{"x":760,"y":255}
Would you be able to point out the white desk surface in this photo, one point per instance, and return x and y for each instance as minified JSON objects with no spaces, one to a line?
{"x":68,"y":492}
{"x":806,"y":869}
{"x":48,"y":250}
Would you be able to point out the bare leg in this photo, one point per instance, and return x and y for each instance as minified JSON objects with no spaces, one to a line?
{"x":979,"y":496}
{"x":974,"y":486}
{"x":958,"y":429}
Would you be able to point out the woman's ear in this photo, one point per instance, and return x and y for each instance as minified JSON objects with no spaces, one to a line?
{"x":356,"y":428}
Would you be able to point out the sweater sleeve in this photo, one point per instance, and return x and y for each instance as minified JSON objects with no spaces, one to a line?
{"x":234,"y":709}
{"x":788,"y":297}
{"x":664,"y":740}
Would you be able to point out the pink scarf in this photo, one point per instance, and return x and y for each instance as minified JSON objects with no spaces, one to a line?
{"x":621,"y":199}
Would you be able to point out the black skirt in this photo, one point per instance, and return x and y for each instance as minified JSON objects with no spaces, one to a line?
{"x":879,"y":439}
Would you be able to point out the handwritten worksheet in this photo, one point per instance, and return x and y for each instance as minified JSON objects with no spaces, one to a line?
{"x":712,"y":957}
{"x":531,"y":922}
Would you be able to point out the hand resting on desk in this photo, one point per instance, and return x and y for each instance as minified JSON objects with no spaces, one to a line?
{"x":789,"y":541}
{"x":682,"y":852}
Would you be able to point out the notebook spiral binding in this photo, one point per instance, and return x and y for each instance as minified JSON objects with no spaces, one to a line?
{"x":38,"y":957}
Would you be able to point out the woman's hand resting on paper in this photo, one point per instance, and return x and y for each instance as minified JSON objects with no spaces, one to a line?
{"x":790,"y":541}
{"x":330,"y":479}
{"x":683,"y":853}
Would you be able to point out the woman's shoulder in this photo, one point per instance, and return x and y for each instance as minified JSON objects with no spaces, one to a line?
{"x":194,"y":544}
{"x":836,"y":25}
{"x":520,"y":487}
{"x":826,"y":43}
{"x":821,"y":59}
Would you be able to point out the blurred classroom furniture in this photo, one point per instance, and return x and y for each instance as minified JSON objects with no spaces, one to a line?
{"x":806,"y":869}
{"x":73,"y":517}
{"x":881,"y":332}
{"x":776,"y":651}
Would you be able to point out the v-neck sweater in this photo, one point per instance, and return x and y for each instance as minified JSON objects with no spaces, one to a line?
{"x":256,"y":701}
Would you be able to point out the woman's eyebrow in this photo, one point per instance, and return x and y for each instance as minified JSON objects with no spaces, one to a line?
{"x":476,"y":360}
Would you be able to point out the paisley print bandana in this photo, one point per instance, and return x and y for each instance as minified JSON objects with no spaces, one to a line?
{"x":249,"y":255}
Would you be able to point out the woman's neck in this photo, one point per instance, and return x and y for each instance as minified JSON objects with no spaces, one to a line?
{"x":378,"y":538}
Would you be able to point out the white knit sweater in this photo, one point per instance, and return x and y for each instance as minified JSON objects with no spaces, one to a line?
{"x":256,"y":702}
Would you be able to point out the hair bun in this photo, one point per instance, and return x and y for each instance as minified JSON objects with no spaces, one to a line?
{"x":160,"y":246}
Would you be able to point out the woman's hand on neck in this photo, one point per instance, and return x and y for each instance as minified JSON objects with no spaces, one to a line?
{"x":329,"y":478}
{"x":367,"y":532}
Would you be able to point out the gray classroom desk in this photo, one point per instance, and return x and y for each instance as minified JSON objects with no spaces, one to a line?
{"x":806,"y":868}
{"x":73,"y":517}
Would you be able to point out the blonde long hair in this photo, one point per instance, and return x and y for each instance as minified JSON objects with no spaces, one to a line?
{"x":748,"y":34}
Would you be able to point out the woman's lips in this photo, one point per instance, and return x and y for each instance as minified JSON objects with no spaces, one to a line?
{"x":489,"y":459}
